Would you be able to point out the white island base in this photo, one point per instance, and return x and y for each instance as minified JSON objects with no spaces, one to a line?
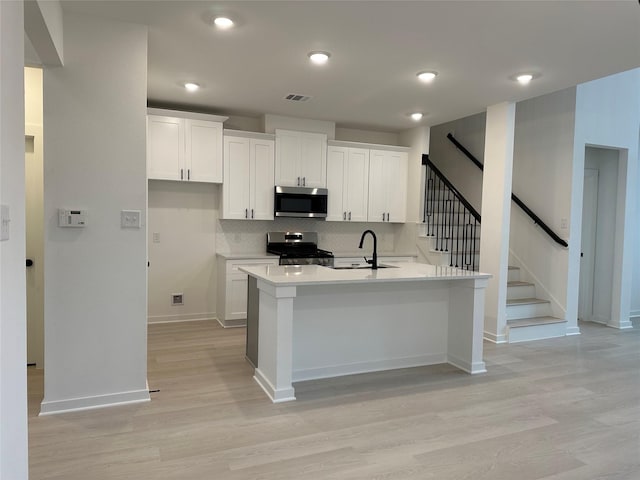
{"x":315,"y":322}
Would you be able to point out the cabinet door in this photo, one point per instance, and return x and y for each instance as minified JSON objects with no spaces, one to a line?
{"x":336,"y":162}
{"x":356,"y":184}
{"x":397,"y":166}
{"x":313,"y":159}
{"x":165,"y":147}
{"x":236,"y":189}
{"x":236,"y":296}
{"x":203,"y":151}
{"x":262,"y":179}
{"x":288,"y":150}
{"x":377,"y":207}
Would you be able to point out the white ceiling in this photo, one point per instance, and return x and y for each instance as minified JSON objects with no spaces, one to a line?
{"x":377,"y":47}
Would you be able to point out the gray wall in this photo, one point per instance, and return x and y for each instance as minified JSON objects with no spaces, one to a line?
{"x":95,"y":144}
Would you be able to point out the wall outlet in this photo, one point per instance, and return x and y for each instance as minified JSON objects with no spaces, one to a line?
{"x":177,"y":299}
{"x":130,"y":218}
{"x":156,"y":237}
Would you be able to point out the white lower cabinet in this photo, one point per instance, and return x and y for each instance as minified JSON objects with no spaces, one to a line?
{"x":232,"y":289}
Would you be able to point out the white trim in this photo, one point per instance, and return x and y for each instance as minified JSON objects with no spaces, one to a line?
{"x":276,"y":396}
{"x":573,"y":331}
{"x":472,"y":368}
{"x":181,"y":318}
{"x":623,"y":325}
{"x":490,"y":337}
{"x":371,"y":366}
{"x":235,"y":323}
{"x":163,"y":112}
{"x":634,"y":314}
{"x":246,"y":134}
{"x":370,"y":146}
{"x":93,"y":402}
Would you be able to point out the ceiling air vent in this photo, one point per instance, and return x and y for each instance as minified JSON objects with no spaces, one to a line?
{"x":296,"y":97}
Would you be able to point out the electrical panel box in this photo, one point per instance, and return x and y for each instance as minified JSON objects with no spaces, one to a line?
{"x":72,"y":218}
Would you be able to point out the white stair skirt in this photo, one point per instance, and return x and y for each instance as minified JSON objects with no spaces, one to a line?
{"x":529,"y":318}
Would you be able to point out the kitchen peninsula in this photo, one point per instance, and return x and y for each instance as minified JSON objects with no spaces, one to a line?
{"x":319,"y":322}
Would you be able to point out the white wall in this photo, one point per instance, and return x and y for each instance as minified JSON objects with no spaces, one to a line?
{"x":542,"y":172}
{"x":95,"y":277}
{"x":470,"y":132}
{"x":608,"y":115}
{"x":183,"y":215}
{"x":13,"y":354}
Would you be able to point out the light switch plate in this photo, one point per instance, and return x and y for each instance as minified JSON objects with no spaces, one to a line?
{"x":130,"y":218}
{"x":5,"y":219}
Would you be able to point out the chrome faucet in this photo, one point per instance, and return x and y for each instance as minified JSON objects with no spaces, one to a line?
{"x":374,"y":261}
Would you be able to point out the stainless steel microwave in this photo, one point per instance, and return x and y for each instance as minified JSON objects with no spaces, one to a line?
{"x":302,"y":202}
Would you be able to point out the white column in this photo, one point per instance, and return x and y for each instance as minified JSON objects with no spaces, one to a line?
{"x":496,"y":211}
{"x":275,"y":342}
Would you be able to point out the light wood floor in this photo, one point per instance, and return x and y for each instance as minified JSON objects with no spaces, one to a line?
{"x":561,"y":409}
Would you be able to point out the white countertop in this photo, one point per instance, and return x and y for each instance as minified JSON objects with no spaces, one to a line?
{"x":293,"y":275}
{"x":247,"y":256}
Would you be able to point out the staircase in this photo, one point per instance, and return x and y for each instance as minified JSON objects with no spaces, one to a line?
{"x":528,"y":317}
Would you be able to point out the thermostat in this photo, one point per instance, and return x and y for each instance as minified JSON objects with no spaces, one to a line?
{"x":72,"y":218}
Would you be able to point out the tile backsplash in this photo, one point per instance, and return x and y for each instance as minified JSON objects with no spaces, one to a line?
{"x":238,"y":236}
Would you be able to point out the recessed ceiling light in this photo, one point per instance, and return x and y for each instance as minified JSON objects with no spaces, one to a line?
{"x":191,"y":87}
{"x":524,"y":79}
{"x":319,"y":57}
{"x":223,"y":22}
{"x":416,"y":117}
{"x":426,"y":76}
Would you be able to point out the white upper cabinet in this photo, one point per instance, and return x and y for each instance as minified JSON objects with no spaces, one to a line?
{"x":187,"y":149}
{"x":247,"y":191}
{"x":347,"y":183}
{"x":301,"y":159}
{"x":387,"y":186}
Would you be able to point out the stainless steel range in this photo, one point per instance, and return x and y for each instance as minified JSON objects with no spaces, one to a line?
{"x":298,"y":248}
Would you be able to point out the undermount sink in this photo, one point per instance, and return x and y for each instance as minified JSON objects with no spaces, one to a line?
{"x":361,"y":267}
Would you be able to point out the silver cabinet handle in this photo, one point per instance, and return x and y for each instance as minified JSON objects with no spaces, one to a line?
{"x":304,"y":181}
{"x":182,"y":174}
{"x":298,"y":181}
{"x":387,"y":216}
{"x":188,"y":174}
{"x":349,"y":216}
{"x":246,"y":213}
{"x":252,"y":213}
{"x":383,"y":216}
{"x":344,"y":215}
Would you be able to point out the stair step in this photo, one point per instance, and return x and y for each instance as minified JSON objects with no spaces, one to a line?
{"x":527,"y":329}
{"x":527,"y":307}
{"x":517,"y":290}
{"x":513,"y":274}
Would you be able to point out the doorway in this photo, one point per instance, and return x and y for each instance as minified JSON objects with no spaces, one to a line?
{"x":600,"y":235}
{"x":34,"y":216}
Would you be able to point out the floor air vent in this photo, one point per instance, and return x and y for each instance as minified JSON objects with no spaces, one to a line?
{"x":296,"y":97}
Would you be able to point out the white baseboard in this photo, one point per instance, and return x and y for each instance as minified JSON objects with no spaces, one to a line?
{"x":634,"y":314}
{"x":366,"y":367}
{"x":493,"y":338}
{"x":472,"y":368}
{"x":97,"y":401}
{"x":276,"y":396}
{"x":242,"y":322}
{"x":181,"y":318}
